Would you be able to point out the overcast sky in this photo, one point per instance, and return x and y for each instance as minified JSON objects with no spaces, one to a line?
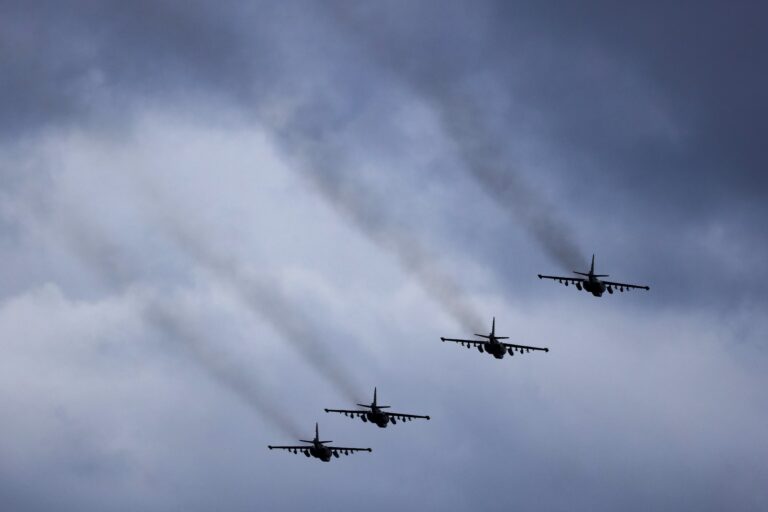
{"x":219,"y":218}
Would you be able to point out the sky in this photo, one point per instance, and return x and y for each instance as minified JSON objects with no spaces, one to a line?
{"x":218,"y":219}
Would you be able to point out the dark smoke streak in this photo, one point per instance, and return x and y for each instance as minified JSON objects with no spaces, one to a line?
{"x":439,"y":83}
{"x":486,"y":162}
{"x":222,"y":366}
{"x":267,"y":300}
{"x":317,"y":161}
{"x":103,"y":257}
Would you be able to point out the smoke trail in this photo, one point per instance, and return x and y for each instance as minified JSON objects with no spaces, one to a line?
{"x":222,"y":366}
{"x":439,"y":83}
{"x":107,"y":261}
{"x":265,"y":298}
{"x":486,"y":162}
{"x":411,"y":254}
{"x":318,"y":161}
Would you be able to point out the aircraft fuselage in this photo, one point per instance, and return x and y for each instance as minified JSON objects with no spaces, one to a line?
{"x":319,"y":451}
{"x":594,"y":286}
{"x":495,"y":349}
{"x":378,"y":417}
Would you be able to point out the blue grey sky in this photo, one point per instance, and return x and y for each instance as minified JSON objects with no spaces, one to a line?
{"x":218,"y":219}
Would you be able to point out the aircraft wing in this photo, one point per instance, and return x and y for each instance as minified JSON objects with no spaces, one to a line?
{"x":468,"y":342}
{"x":524,"y":348}
{"x":291,"y":448}
{"x":565,"y":280}
{"x":406,"y":417}
{"x":347,"y":412}
{"x":621,"y":286}
{"x":345,"y":449}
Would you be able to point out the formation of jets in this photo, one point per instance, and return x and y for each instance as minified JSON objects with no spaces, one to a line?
{"x":490,"y":344}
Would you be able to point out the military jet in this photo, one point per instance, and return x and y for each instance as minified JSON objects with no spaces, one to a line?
{"x":493,"y":346}
{"x":318,"y":449}
{"x":592,"y":283}
{"x":376,"y":415}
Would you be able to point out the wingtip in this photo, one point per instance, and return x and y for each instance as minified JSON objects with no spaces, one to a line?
{"x":442,"y":339}
{"x":269,"y":447}
{"x":326,"y":410}
{"x":546,"y":350}
{"x":539,"y":275}
{"x":428,"y":418}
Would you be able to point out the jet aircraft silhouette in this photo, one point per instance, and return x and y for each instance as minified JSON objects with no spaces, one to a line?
{"x":376,"y":415}
{"x":493,"y":346}
{"x":318,"y":449}
{"x":592,"y":283}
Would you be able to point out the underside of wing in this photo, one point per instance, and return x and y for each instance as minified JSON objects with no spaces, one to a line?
{"x":347,"y":412}
{"x":467,"y":342}
{"x":407,"y":417}
{"x":622,"y":286}
{"x":291,"y":448}
{"x":345,"y":450}
{"x":524,"y":348}
{"x":561,"y":279}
